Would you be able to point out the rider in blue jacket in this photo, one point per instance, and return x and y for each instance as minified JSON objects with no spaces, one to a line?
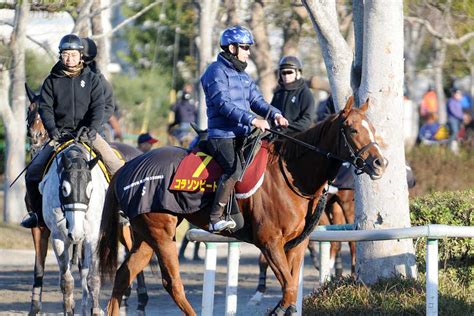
{"x":230,"y":96}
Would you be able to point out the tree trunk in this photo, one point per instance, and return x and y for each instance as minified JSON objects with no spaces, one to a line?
{"x":384,"y":203}
{"x":15,"y":121}
{"x":260,"y":52}
{"x":97,"y":22}
{"x":438,"y":61}
{"x":233,"y":11}
{"x":207,"y":18}
{"x":292,"y":33}
{"x":336,"y":53}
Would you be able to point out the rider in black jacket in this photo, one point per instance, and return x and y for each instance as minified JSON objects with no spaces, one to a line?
{"x":71,"y":99}
{"x":292,"y":96}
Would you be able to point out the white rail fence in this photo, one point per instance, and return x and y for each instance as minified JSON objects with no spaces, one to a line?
{"x":432,"y":232}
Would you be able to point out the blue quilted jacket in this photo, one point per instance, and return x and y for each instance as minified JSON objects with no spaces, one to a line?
{"x":230,"y":95}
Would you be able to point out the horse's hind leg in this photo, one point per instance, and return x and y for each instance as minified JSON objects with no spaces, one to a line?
{"x":262,"y":281}
{"x":40,"y":240}
{"x":127,"y":240}
{"x":134,"y":263}
{"x":162,"y":229}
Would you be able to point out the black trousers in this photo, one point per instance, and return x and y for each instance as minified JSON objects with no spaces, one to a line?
{"x":226,"y":152}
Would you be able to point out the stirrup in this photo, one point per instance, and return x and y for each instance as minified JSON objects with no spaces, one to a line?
{"x":222,"y":225}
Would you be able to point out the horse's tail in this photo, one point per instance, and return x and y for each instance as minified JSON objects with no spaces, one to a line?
{"x":109,"y":232}
{"x":312,"y":220}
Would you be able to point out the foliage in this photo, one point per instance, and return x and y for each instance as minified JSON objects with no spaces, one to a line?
{"x":437,"y":169}
{"x":393,"y":296}
{"x":37,"y":69}
{"x":132,"y":93}
{"x":449,"y":208}
{"x":151,"y":37}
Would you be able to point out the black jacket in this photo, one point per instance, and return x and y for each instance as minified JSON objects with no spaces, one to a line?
{"x":184,"y":112}
{"x":296,"y":103}
{"x":108,"y":92}
{"x":69,"y":103}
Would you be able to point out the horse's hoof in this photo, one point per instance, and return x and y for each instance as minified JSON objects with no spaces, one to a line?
{"x":140,"y":312}
{"x":35,"y":308}
{"x":256,"y":299}
{"x":96,"y":311}
{"x":291,"y":311}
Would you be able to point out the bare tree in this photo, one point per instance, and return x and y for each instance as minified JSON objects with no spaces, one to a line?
{"x":13,"y":116}
{"x":233,"y":11}
{"x":261,"y":55}
{"x":377,"y":74}
{"x":207,"y":17}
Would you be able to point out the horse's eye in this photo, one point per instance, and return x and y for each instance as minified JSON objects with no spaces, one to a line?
{"x":66,"y":188}
{"x":89,"y":190}
{"x":353,"y":131}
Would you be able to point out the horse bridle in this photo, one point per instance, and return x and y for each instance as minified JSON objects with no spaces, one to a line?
{"x":32,"y":117}
{"x":356,"y":156}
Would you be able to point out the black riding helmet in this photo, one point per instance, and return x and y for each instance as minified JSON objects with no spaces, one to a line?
{"x":290,"y":62}
{"x":70,"y":42}
{"x":90,"y":49}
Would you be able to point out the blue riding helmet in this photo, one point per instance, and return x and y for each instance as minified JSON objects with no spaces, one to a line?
{"x":236,"y":35}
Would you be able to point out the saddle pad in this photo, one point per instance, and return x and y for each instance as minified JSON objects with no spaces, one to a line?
{"x":65,"y":145}
{"x":199,"y":172}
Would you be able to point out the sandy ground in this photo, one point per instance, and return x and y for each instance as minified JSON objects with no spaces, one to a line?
{"x":16,"y":277}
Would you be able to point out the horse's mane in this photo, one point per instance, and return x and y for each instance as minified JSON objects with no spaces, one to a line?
{"x":288,"y":149}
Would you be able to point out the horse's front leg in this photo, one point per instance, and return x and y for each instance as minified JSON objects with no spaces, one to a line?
{"x":61,"y":249}
{"x":286,"y":269}
{"x":40,"y":239}
{"x":91,"y":280}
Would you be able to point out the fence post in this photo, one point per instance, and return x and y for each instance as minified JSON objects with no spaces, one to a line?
{"x":232,"y":278}
{"x":324,"y":269}
{"x":432,"y":277}
{"x":299,"y":298}
{"x":209,"y":279}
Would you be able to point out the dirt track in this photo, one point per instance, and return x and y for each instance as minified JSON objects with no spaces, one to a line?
{"x":16,"y":279}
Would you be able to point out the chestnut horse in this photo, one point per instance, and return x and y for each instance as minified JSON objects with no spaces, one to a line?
{"x":278,"y":218}
{"x":38,"y":136}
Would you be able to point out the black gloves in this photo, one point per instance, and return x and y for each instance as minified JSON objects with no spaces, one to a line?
{"x":54,"y":135}
{"x":91,"y":134}
{"x":88,"y":135}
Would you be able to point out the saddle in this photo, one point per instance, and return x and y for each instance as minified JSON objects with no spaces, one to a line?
{"x":66,"y":144}
{"x":199,"y":172}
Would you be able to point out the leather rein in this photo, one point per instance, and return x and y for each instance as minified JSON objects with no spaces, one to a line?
{"x":355,"y":160}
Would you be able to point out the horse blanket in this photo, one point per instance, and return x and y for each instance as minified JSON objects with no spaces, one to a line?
{"x":152,"y":181}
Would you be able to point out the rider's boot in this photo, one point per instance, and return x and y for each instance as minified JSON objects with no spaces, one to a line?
{"x":218,"y":222}
{"x":33,"y":202}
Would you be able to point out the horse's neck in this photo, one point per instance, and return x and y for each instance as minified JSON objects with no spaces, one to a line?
{"x":309,"y":170}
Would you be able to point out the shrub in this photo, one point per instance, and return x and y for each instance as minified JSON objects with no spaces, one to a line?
{"x":393,"y":296}
{"x":449,"y":208}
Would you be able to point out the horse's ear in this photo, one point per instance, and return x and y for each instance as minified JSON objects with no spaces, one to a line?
{"x":348,"y":106}
{"x":365,"y":105}
{"x":31,"y":95}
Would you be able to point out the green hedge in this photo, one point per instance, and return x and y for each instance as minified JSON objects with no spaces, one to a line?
{"x":450,"y":208}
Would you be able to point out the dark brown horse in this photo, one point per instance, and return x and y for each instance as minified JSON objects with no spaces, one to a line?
{"x":278,"y":218}
{"x":38,"y":136}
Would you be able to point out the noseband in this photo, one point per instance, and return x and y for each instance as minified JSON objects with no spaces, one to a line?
{"x":356,"y":156}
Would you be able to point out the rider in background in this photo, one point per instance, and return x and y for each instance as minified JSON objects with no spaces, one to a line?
{"x":185,"y":113}
{"x":110,"y":121}
{"x":71,"y":98}
{"x":292,"y":96}
{"x":230,"y":96}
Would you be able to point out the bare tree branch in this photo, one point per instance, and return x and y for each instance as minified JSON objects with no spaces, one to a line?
{"x":128,"y":20}
{"x":450,"y":41}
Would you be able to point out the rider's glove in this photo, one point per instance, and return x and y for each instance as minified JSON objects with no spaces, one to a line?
{"x":54,"y":135}
{"x":91,"y":134}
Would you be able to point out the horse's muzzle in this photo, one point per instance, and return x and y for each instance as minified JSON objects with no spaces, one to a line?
{"x":376,"y":168}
